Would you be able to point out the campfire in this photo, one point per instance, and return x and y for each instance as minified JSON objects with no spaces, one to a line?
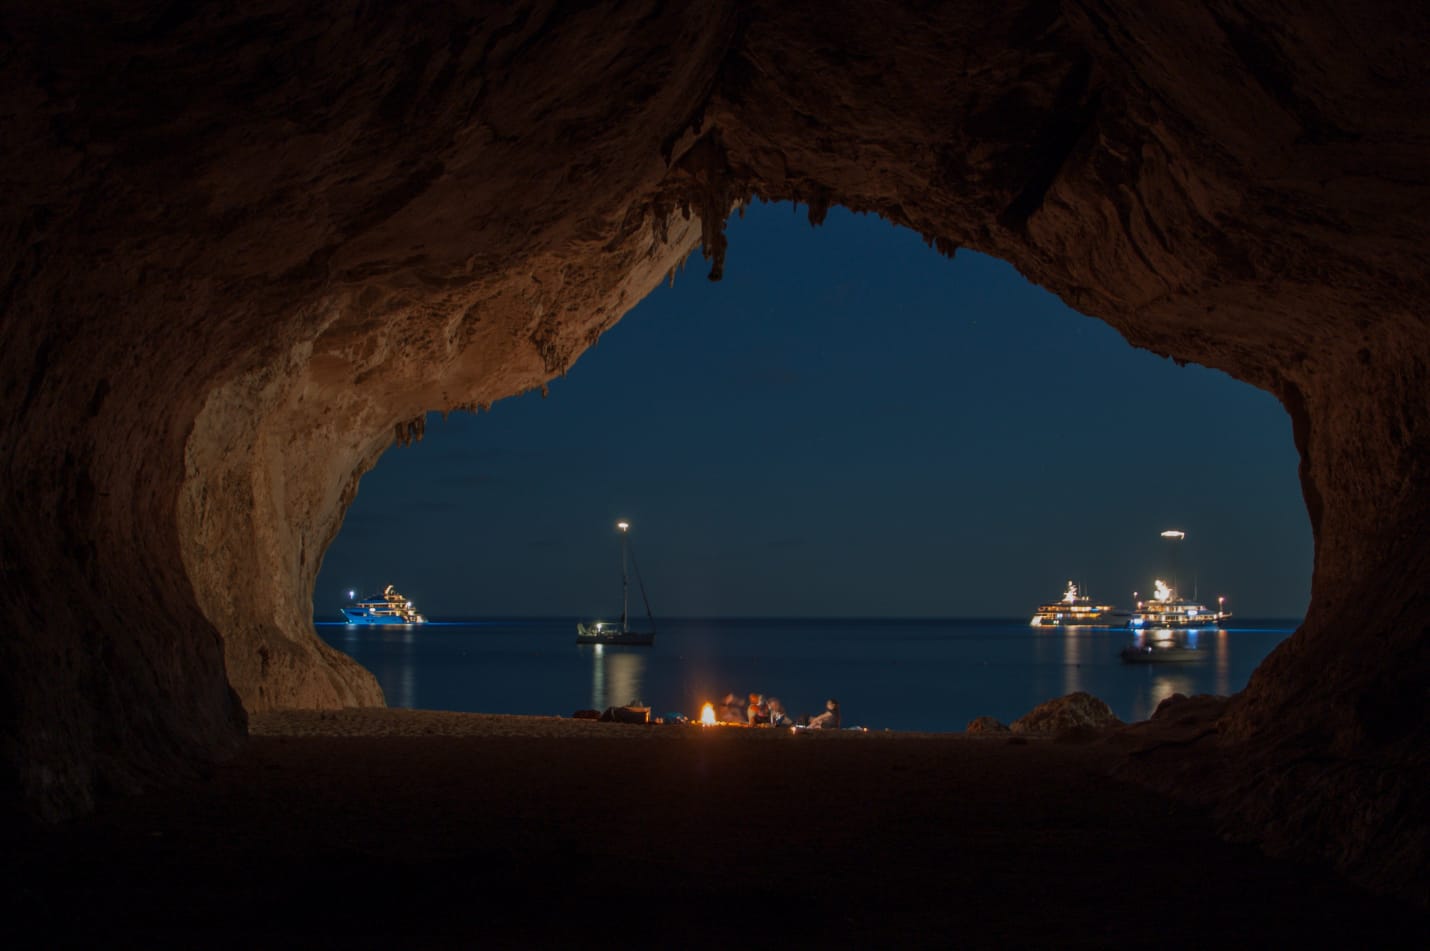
{"x":707,"y":715}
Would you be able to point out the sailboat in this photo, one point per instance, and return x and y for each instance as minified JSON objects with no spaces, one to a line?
{"x":611,"y":632}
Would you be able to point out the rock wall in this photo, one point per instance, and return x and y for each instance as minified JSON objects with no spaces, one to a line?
{"x":247,"y":248}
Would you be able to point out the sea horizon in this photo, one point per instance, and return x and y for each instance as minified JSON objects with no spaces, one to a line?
{"x":481,"y":618}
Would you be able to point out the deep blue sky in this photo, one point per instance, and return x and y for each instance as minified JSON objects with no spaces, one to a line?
{"x":848,"y":424}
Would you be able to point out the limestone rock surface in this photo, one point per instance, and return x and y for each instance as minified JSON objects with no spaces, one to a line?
{"x":1073,"y":711}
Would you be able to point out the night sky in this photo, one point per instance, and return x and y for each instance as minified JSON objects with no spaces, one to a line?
{"x":848,"y":424}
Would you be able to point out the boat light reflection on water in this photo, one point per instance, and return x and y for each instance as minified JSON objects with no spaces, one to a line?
{"x":1165,"y":685}
{"x":1072,"y":664}
{"x":1164,"y":680}
{"x":1081,"y":655}
{"x":395,"y":670}
{"x":617,"y":676}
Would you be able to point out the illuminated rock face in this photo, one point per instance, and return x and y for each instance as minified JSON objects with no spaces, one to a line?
{"x":245,"y":251}
{"x":1074,"y":711}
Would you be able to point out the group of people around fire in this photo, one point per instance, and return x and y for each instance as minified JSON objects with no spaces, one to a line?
{"x":759,"y":710}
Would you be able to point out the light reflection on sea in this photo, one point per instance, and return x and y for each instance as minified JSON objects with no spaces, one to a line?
{"x":616,"y":675}
{"x":900,"y":674}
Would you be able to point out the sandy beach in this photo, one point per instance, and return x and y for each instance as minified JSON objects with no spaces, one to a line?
{"x":397,"y":828}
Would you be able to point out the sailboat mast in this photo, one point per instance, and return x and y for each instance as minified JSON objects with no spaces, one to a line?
{"x":625,"y":581}
{"x":1175,"y":536}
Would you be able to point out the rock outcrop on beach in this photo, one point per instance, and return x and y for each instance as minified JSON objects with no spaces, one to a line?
{"x":986,"y":724}
{"x":246,"y":248}
{"x":1079,"y":710}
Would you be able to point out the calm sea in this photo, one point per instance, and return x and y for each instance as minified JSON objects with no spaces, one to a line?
{"x":927,"y":674}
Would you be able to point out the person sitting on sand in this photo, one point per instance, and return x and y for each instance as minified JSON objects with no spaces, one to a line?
{"x":756,"y":712}
{"x":731,"y":710}
{"x":829,"y":719}
{"x":778,"y":717}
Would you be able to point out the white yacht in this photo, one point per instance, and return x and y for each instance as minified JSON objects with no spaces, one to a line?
{"x":389,"y":609}
{"x":1074,"y":610}
{"x":1166,"y":610}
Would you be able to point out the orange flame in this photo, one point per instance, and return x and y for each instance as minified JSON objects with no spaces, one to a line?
{"x":707,"y":715}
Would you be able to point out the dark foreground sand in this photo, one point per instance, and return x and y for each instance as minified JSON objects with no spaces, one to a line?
{"x":403,"y":829}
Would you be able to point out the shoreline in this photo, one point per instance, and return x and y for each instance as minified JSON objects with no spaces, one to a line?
{"x":406,"y":722}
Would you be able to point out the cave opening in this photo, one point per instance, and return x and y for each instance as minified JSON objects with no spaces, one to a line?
{"x":847,"y":425}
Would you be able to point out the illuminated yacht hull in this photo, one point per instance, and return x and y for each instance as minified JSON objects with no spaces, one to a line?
{"x":1177,"y":615}
{"x":1077,"y":615}
{"x":388,"y":609}
{"x":380,"y":619}
{"x":1076,"y":611}
{"x":1167,"y":610}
